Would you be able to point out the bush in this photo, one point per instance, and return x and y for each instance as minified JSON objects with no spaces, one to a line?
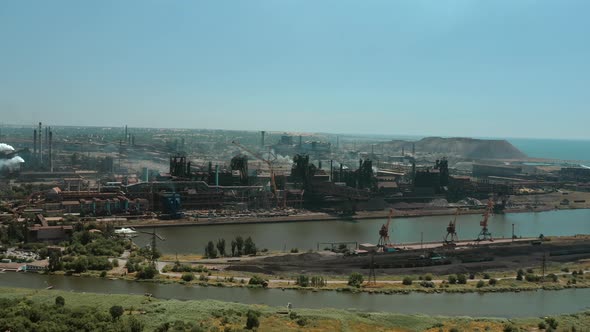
{"x":471,"y":276}
{"x":510,"y":328}
{"x":427,"y":284}
{"x":302,"y":321}
{"x":258,"y":280}
{"x":461,"y":279}
{"x":116,"y":311}
{"x":486,"y":276}
{"x":407,"y":281}
{"x":551,"y":322}
{"x":452,"y":279}
{"x":60,"y":301}
{"x":146,"y":272}
{"x":188,"y":276}
{"x":115,"y":262}
{"x":552,"y":277}
{"x":294,"y":250}
{"x":355,"y":279}
{"x":454,"y":329}
{"x":318,"y":281}
{"x":302,"y":280}
{"x":428,"y":277}
{"x":103,"y":274}
{"x":492,"y":282}
{"x":480,"y":284}
{"x":529,"y":270}
{"x":542,"y":326}
{"x":531,"y":277}
{"x":252,"y":320}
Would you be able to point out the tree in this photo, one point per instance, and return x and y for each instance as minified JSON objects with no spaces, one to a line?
{"x":407,"y":281}
{"x":249,"y":247}
{"x":461,"y":279}
{"x":221,"y":247}
{"x":147,"y":272}
{"x":116,"y":311}
{"x":492,"y":282}
{"x":233,"y":247}
{"x":302,"y":280}
{"x":188,"y":276}
{"x":355,"y":279}
{"x":252,"y":320}
{"x":60,"y":301}
{"x":480,"y":284}
{"x":239,"y":245}
{"x":452,"y":279}
{"x":54,"y":262}
{"x":210,"y":251}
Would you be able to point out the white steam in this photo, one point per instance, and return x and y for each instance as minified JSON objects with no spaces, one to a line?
{"x":5,"y":147}
{"x":11,"y":163}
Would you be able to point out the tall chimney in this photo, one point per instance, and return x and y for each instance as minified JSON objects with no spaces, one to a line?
{"x":125,"y":134}
{"x":46,"y":143}
{"x":40,"y":143}
{"x":262,"y":138}
{"x":34,"y":143}
{"x":50,"y":151}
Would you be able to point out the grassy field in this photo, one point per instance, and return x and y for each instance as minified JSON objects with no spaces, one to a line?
{"x":223,"y":316}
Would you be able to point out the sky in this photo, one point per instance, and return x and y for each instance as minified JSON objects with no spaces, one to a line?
{"x":449,"y":68}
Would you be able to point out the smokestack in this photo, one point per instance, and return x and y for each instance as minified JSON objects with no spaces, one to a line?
{"x":40,"y":143}
{"x":262,"y":138}
{"x":50,"y":151}
{"x":46,"y":142}
{"x":403,"y":151}
{"x":34,"y":143}
{"x":414,"y":150}
{"x":125,"y":133}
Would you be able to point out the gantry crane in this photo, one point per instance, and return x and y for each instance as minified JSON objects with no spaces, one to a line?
{"x":384,"y":233}
{"x":485,"y":233}
{"x":270,"y":166}
{"x":451,"y":238}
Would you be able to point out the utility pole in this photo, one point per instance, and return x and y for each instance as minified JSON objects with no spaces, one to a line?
{"x":544,"y":261}
{"x":372,"y":275}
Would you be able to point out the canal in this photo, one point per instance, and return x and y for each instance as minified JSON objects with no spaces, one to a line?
{"x":306,"y":235}
{"x":523,"y":304}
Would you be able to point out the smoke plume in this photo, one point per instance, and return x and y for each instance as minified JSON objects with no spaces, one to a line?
{"x":5,"y":147}
{"x":11,"y":163}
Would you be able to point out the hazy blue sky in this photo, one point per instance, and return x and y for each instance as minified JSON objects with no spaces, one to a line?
{"x":462,"y":68}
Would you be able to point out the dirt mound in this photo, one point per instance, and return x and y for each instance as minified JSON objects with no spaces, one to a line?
{"x":459,"y":146}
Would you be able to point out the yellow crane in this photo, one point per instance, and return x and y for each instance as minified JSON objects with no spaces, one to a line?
{"x":270,"y":166}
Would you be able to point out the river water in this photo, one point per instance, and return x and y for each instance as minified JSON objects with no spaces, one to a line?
{"x":523,"y":304}
{"x":306,"y":235}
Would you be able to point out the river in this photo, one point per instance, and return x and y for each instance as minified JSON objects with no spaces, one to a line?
{"x":306,"y":235}
{"x":523,"y":304}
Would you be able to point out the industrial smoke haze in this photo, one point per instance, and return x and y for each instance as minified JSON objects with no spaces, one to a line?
{"x":11,"y":163}
{"x":5,"y":147}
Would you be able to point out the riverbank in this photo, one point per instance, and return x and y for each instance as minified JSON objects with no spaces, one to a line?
{"x":217,"y":315}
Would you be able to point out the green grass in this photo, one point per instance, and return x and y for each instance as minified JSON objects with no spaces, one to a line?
{"x":208,"y":313}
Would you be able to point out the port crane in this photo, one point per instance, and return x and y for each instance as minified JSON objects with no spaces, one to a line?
{"x":384,"y":233}
{"x":270,"y":166}
{"x":485,"y":233}
{"x":451,"y":238}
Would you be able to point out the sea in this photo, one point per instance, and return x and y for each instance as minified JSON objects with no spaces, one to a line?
{"x":561,"y":149}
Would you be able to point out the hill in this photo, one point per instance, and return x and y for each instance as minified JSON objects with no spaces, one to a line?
{"x":461,"y":146}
